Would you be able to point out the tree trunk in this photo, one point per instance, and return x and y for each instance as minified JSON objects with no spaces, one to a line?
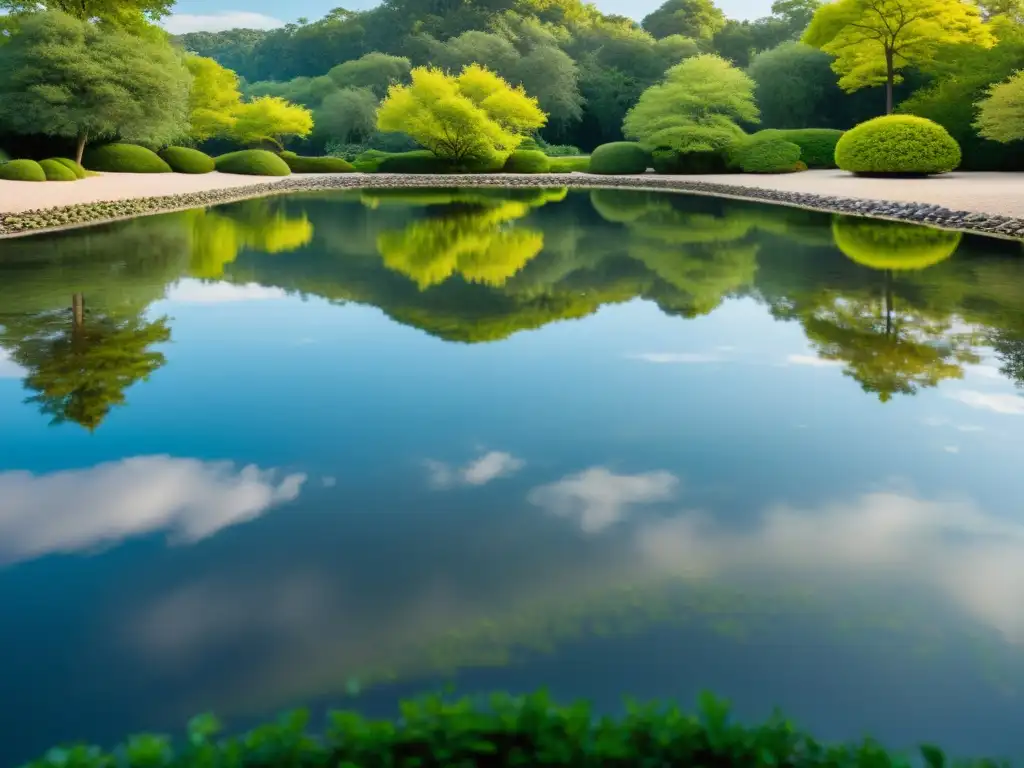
{"x":890,"y":75}
{"x":80,"y":146}
{"x":78,"y":310}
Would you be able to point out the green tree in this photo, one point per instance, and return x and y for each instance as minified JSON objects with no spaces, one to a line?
{"x":875,"y":40}
{"x":1001,"y":112}
{"x":70,"y":78}
{"x":473,"y":115}
{"x":699,"y":19}
{"x":695,"y":108}
{"x":375,"y":71}
{"x":214,"y":99}
{"x":271,"y":119}
{"x":132,"y":15}
{"x":349,"y":114}
{"x":796,"y":87}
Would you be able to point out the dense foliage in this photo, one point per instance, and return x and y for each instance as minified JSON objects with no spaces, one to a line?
{"x":527,"y":161}
{"x":187,"y":160}
{"x":619,"y":158}
{"x":897,"y":144}
{"x":252,"y":162}
{"x":124,"y":158}
{"x":767,"y":154}
{"x":817,"y":145}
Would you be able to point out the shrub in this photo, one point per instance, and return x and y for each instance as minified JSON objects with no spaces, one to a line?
{"x":317,"y":164}
{"x":527,"y":161}
{"x":767,"y":155}
{"x":124,"y":158}
{"x":670,"y":161}
{"x":618,"y":158}
{"x":569,"y":164}
{"x":422,"y":161}
{"x":252,"y":162}
{"x":187,"y":160}
{"x":22,"y":170}
{"x":529,"y":144}
{"x":75,"y":168}
{"x":503,"y":731}
{"x":57,"y":171}
{"x":561,"y":150}
{"x":817,"y":145}
{"x":898,"y":144}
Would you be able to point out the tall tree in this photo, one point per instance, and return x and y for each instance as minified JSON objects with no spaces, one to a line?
{"x":132,"y":15}
{"x":699,"y":19}
{"x":1001,"y":112}
{"x":349,"y":114}
{"x":875,"y":40}
{"x":66,"y":77}
{"x":214,"y":99}
{"x":375,"y":71}
{"x":271,"y":119}
{"x":796,"y":88}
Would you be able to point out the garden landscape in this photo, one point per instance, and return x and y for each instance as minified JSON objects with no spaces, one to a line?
{"x":512,"y":383}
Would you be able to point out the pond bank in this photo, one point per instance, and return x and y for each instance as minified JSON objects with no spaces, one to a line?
{"x":990,"y":203}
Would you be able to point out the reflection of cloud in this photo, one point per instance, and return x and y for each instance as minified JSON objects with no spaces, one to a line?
{"x":676,"y":357}
{"x":8,"y":368}
{"x":933,"y":421}
{"x":1011,"y":404}
{"x":599,"y":497}
{"x":988,"y":371}
{"x":182,"y":23}
{"x":76,"y":509}
{"x":811,"y":360}
{"x":481,"y":471}
{"x":975,"y":558}
{"x":198,"y":292}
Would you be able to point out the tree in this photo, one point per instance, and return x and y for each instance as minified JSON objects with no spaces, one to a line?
{"x":349,"y":114}
{"x":376,"y":71}
{"x":796,"y":87}
{"x":473,"y":115}
{"x":214,"y":99}
{"x":694,"y":108}
{"x":272,"y":119}
{"x":699,"y":19}
{"x":70,"y":78}
{"x":132,"y":15}
{"x":796,"y":14}
{"x":1001,"y":113}
{"x":875,"y":40}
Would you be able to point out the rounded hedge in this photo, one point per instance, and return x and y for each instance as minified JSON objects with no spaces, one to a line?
{"x":124,"y":158}
{"x":529,"y":145}
{"x":252,"y":162}
{"x":570,"y":164}
{"x":187,"y":160}
{"x":817,"y":145}
{"x":71,"y":165}
{"x":768,"y":155}
{"x":527,"y":161}
{"x":57,"y":171}
{"x":898,"y":144}
{"x":300,"y":164}
{"x":618,"y":158}
{"x":896,"y":245}
{"x":672,"y":162}
{"x":22,"y":170}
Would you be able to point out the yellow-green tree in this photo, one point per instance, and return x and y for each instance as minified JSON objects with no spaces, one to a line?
{"x":473,"y":115}
{"x":214,"y":100}
{"x":873,"y":41}
{"x":271,"y":119}
{"x":1001,"y":112}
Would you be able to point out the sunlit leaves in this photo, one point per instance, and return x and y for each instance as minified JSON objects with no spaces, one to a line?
{"x":1001,"y":113}
{"x":270,"y":118}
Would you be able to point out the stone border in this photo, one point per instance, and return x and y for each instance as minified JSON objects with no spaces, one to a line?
{"x":88,"y":214}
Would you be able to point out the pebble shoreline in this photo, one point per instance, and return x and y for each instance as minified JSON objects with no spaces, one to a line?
{"x":86,"y":214}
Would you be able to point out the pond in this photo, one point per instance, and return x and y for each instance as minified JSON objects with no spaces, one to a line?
{"x":336,"y":449}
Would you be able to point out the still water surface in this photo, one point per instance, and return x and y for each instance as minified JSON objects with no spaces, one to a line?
{"x":338,"y":449}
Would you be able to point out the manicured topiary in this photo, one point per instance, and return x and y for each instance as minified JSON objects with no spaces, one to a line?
{"x":672,"y":162}
{"x":252,"y":162}
{"x":527,"y":161}
{"x":75,"y":168}
{"x":187,"y":160}
{"x":22,"y":170}
{"x":124,"y":158}
{"x":567,"y":164}
{"x":300,"y":164}
{"x":894,"y":245}
{"x":898,"y":145}
{"x":817,"y":145}
{"x":618,"y":158}
{"x":766,"y":155}
{"x":57,"y":171}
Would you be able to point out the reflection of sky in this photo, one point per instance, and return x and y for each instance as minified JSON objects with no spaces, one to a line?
{"x":449,"y":482}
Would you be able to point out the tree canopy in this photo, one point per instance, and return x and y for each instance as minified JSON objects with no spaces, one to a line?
{"x":271,"y":119}
{"x":697,"y":19}
{"x":214,"y":99}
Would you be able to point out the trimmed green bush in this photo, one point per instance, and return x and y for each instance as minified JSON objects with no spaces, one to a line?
{"x":672,"y":162}
{"x":22,"y":170}
{"x":527,"y":161}
{"x":317,"y":164}
{"x":569,"y":164}
{"x":252,"y":162}
{"x":529,"y":145}
{"x":503,"y":731}
{"x":74,"y":167}
{"x":57,"y":171}
{"x":124,"y":158}
{"x":187,"y":160}
{"x":619,"y":158}
{"x":898,"y":144}
{"x":817,"y":145}
{"x":767,"y":155}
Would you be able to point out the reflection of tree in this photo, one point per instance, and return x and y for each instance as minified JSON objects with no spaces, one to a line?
{"x":880,"y":244}
{"x":1010,"y":349}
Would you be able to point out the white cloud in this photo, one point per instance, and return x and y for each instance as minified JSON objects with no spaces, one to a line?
{"x":198,"y":292}
{"x":480,"y":471}
{"x":1010,"y":404}
{"x":8,"y":368}
{"x":676,"y":357}
{"x":599,"y":498}
{"x":79,"y":509}
{"x":183,"y":23}
{"x":811,"y":360}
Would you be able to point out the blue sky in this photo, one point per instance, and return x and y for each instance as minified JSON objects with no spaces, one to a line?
{"x":213,"y":15}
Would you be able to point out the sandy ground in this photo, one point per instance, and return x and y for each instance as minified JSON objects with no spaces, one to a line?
{"x":991,"y":193}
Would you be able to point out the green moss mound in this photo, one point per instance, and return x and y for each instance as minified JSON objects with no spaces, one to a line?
{"x":767,"y":155}
{"x":702,"y":162}
{"x":619,"y":158}
{"x":817,"y":145}
{"x":22,"y":170}
{"x":57,"y":171}
{"x":574,"y":164}
{"x":71,"y":165}
{"x":893,"y":245}
{"x":124,"y":158}
{"x":898,"y":145}
{"x":300,"y":164}
{"x":252,"y":162}
{"x":187,"y":160}
{"x":527,"y":161}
